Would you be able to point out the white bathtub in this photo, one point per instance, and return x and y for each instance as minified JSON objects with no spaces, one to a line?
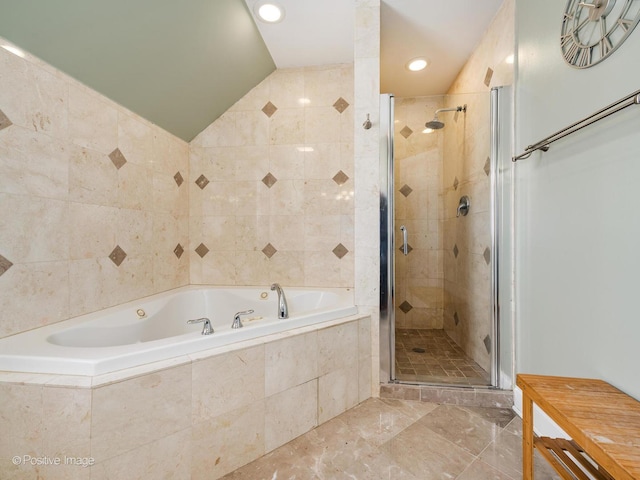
{"x":155,"y":328}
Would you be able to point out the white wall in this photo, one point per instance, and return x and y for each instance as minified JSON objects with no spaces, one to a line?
{"x":577,"y":256}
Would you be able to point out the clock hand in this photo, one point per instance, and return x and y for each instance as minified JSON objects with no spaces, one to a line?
{"x":590,"y":5}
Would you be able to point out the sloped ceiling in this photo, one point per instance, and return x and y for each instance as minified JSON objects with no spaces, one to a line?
{"x":179,"y":64}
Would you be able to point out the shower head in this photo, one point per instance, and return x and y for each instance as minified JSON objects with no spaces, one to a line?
{"x":436,"y":124}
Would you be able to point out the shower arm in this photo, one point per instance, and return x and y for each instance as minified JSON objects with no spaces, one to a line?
{"x":454,"y":109}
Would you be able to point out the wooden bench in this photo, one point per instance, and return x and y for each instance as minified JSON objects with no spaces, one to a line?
{"x":602,"y":421}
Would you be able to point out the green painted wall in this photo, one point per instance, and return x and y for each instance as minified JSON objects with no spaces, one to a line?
{"x":179,"y":64}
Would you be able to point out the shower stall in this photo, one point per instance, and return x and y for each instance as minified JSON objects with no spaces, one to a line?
{"x":444,"y":206}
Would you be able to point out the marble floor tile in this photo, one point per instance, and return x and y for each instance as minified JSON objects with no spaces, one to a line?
{"x":461,"y":427}
{"x":389,"y":439}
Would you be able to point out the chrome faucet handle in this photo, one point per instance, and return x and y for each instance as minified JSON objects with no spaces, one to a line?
{"x":207,"y":329}
{"x":237,"y":323}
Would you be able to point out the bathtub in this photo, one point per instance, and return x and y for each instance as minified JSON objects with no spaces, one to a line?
{"x":155,"y":328}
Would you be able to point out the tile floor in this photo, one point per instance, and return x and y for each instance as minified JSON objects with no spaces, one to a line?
{"x":401,"y":439}
{"x":431,"y":356}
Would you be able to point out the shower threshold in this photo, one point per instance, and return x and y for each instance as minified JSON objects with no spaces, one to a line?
{"x":427,"y":356}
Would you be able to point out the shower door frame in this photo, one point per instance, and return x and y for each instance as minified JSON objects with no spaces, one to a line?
{"x":500,"y":106}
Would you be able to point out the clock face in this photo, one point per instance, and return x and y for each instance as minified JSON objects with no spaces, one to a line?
{"x":593,"y":29}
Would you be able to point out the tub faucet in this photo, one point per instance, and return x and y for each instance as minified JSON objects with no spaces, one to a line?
{"x":207,"y":329}
{"x":283,"y":310}
{"x":237,"y":323}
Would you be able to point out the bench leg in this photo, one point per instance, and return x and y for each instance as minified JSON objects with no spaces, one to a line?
{"x":527,"y":437}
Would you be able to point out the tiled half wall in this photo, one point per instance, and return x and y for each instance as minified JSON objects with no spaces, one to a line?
{"x":200,"y":419}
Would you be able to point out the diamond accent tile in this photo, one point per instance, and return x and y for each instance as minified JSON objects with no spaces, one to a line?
{"x":269,"y":250}
{"x":202,"y":250}
{"x":178,"y":251}
{"x":5,"y":265}
{"x":487,"y":166}
{"x":456,"y":318}
{"x":488,"y":76}
{"x":406,"y":307}
{"x":409,"y":248}
{"x":178,"y":178}
{"x":269,"y":180}
{"x":340,"y":250}
{"x":340,"y":178}
{"x":269,"y":109}
{"x":4,"y":121}
{"x":406,"y":132}
{"x":455,"y":250}
{"x":455,"y":183}
{"x":118,"y":255}
{"x":487,"y":255}
{"x":487,"y":344}
{"x":117,"y":158}
{"x":406,"y":190}
{"x":341,"y":105}
{"x":202,"y":182}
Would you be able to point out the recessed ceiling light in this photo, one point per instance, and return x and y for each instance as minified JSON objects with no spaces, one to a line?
{"x":417,"y":64}
{"x":269,"y":12}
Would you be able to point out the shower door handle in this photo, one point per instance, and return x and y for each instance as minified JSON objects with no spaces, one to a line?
{"x":405,"y":245}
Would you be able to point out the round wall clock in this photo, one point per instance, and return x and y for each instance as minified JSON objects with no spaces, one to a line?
{"x":593,"y":29}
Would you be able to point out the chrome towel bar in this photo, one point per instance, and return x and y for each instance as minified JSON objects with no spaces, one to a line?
{"x":631,"y":99}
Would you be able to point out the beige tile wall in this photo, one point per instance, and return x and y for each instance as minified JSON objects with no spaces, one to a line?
{"x":367,"y":171}
{"x":418,"y":206}
{"x":278,"y":178}
{"x":198,"y":420}
{"x":81,"y":176}
{"x":467,"y":311}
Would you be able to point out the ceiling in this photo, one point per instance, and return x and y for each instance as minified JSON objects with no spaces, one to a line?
{"x":445,"y":32}
{"x":182,"y":64}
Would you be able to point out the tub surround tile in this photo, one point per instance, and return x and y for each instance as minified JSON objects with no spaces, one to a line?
{"x":170,"y":455}
{"x":33,"y":164}
{"x":58,"y":156}
{"x":226,"y":442}
{"x":32,"y":97}
{"x":335,"y":347}
{"x":290,"y":362}
{"x":25,"y":288}
{"x":337,"y":392}
{"x":93,"y":121}
{"x":132,"y":413}
{"x":185,"y":416}
{"x":227,"y":382}
{"x":280,"y":425}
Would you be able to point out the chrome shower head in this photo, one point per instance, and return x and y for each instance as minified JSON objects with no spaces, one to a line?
{"x":436,"y":124}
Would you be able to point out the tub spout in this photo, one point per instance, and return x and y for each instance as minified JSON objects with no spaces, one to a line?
{"x":283,"y":310}
{"x":207,"y":329}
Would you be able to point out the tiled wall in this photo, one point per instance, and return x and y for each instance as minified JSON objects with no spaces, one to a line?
{"x":272,"y":184}
{"x":367,"y":170}
{"x":418,"y":206}
{"x":197,"y":420}
{"x":467,"y":240}
{"x":93,"y":200}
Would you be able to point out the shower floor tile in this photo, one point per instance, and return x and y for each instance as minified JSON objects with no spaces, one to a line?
{"x":431,"y":356}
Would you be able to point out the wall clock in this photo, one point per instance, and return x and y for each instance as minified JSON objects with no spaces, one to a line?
{"x":593,"y":29}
